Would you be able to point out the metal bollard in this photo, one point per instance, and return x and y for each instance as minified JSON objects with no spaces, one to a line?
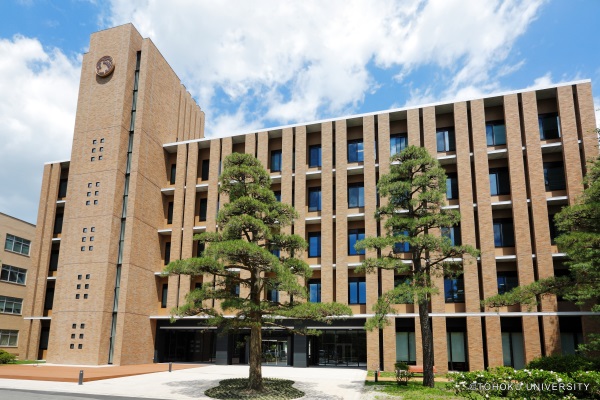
{"x":81,"y":377}
{"x":377,"y":376}
{"x":170,"y":367}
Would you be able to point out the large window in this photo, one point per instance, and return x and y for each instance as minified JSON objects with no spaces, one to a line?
{"x":314,"y":199}
{"x":170,"y":212}
{"x":513,"y":354}
{"x":554,"y":175}
{"x":203,"y":208}
{"x":452,"y":186}
{"x":355,"y":151}
{"x":354,"y":235}
{"x":406,"y":349}
{"x":277,"y":194}
{"x":401,"y":247}
{"x":8,"y":338}
{"x":62,"y":188}
{"x":10,"y":305}
{"x":17,"y":244}
{"x":549,"y":126}
{"x":314,"y":156}
{"x":507,"y":281}
{"x":314,"y":244}
{"x":454,"y":290}
{"x":554,"y":232}
{"x":276,"y":161}
{"x":452,"y":233}
{"x":445,"y":140}
{"x":164,"y":295}
{"x":314,"y":290}
{"x":205,"y":169}
{"x":504,"y":233}
{"x":357,"y":291}
{"x":499,"y":181}
{"x":13,"y":274}
{"x":173,"y":174}
{"x":167,"y":253}
{"x":456,"y":349}
{"x":356,"y":195}
{"x":273,"y":295}
{"x":398,"y":143}
{"x":495,"y":133}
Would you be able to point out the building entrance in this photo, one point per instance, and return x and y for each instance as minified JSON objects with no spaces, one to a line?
{"x":339,"y":348}
{"x":186,"y":345}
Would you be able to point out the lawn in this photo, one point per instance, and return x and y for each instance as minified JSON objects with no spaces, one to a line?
{"x":414,"y":390}
{"x":25,"y":362}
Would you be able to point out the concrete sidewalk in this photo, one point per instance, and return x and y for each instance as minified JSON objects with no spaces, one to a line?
{"x":316,"y":382}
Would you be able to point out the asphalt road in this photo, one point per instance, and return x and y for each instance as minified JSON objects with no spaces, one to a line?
{"x":14,"y":394}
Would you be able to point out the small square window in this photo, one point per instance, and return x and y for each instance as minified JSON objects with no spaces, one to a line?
{"x":93,"y":159}
{"x":93,"y":229}
{"x":96,"y":193}
{"x":102,"y":140}
{"x":85,"y":296}
{"x":91,"y":248}
{"x":82,"y":326}
{"x":84,"y":230}
{"x":82,"y":248}
{"x":78,"y":286}
{"x":74,"y":326}
{"x":87,"y":286}
{"x":90,"y":184}
{"x":87,"y":203}
{"x":93,"y":149}
{"x":72,"y":336}
{"x":79,"y":277}
{"x":91,"y":238}
{"x":83,"y":239}
{"x":100,"y":158}
{"x":94,"y":141}
{"x":81,"y":336}
{"x":97,"y":184}
{"x":80,"y":346}
{"x":89,"y":194}
{"x":87,"y":276}
{"x":72,"y":346}
{"x":95,"y":202}
{"x":77,"y":296}
{"x":101,"y":149}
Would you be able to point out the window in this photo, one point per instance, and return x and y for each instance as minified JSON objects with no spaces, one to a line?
{"x":445,"y":140}
{"x":170,"y":213}
{"x":54,"y":260}
{"x":203,"y":208}
{"x":452,"y":186}
{"x":455,"y":345}
{"x":504,"y":235}
{"x":8,"y":338}
{"x":357,"y":291}
{"x":277,"y":195}
{"x":273,"y":295}
{"x":495,"y":133}
{"x":314,"y":290}
{"x":314,"y":244}
{"x":314,"y":199}
{"x":276,"y":252}
{"x":406,"y":348}
{"x":276,"y":161}
{"x":549,"y":126}
{"x":452,"y":233}
{"x":173,"y":173}
{"x":167,"y":253}
{"x":10,"y":305}
{"x":13,"y":274}
{"x":512,"y":350}
{"x":17,"y":244}
{"x":554,"y":176}
{"x":200,"y":249}
{"x":356,"y":195}
{"x":398,"y":143}
{"x":314,"y":156}
{"x":554,"y":232}
{"x":401,"y":247}
{"x":354,"y":235}
{"x":62,"y":188}
{"x":507,"y":281}
{"x":164,"y":295}
{"x":499,"y":181}
{"x":355,"y":151}
{"x":205,"y":169}
{"x":454,"y":290}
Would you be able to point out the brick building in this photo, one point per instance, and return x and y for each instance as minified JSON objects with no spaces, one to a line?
{"x":142,"y":180}
{"x":15,"y":262}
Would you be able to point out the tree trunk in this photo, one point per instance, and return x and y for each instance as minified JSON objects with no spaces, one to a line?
{"x":427,"y":341}
{"x":255,"y":381}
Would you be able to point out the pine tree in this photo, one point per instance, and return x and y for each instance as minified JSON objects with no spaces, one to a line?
{"x":241,"y":253}
{"x":414,"y":193}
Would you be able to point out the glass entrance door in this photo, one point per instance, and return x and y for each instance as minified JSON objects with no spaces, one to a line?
{"x":274,"y":351}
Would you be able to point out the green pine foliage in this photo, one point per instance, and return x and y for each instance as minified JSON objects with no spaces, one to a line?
{"x":240,"y":253}
{"x":415,"y":192}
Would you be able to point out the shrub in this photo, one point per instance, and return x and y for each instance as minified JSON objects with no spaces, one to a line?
{"x":6,"y":357}
{"x":403,"y":375}
{"x":565,"y":363}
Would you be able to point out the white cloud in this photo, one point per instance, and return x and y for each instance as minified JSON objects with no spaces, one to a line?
{"x":597,"y":109}
{"x":251,"y":63}
{"x":37,"y":115}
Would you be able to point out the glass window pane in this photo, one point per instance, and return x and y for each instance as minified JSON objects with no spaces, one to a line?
{"x":458,"y":346}
{"x":353,"y":292}
{"x":497,"y":234}
{"x":499,"y":134}
{"x":402,"y":347}
{"x":441,"y":140}
{"x":362,"y":292}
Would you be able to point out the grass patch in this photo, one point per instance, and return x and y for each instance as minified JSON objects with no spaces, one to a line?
{"x":275,"y":389}
{"x":24,"y":362}
{"x":414,"y":390}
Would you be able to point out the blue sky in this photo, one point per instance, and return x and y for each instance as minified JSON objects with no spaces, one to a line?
{"x":268,"y":63}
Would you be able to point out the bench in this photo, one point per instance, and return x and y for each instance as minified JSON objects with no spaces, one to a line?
{"x":418,"y":369}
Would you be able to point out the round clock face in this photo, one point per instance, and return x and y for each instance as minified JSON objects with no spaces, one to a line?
{"x":105,"y":66}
